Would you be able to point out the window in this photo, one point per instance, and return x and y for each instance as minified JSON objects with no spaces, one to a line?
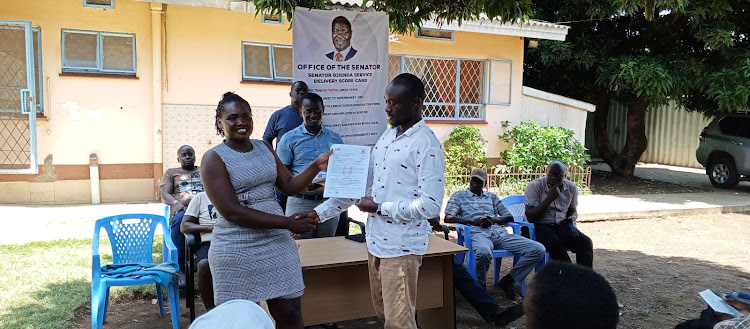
{"x":99,"y":3}
{"x":435,"y":34}
{"x":273,"y":19}
{"x":454,"y":87}
{"x":735,"y":126}
{"x":266,"y":62}
{"x":500,"y":78}
{"x":98,"y":52}
{"x":15,"y":58}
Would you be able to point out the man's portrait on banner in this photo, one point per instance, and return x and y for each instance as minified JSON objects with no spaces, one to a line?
{"x":341,"y":34}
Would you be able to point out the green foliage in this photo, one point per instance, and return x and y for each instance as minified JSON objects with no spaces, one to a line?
{"x":695,"y":53}
{"x":406,"y":16}
{"x":464,"y":150}
{"x":534,"y":147}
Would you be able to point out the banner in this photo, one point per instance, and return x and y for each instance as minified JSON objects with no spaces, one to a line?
{"x":343,"y":57}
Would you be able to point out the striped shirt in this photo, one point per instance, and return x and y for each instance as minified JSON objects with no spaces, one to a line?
{"x":406,"y":178}
{"x":466,"y":204}
{"x":538,"y":190}
{"x":736,"y":323}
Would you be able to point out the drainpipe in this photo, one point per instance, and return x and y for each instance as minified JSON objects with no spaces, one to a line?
{"x":94,"y":178}
{"x":157,"y":61}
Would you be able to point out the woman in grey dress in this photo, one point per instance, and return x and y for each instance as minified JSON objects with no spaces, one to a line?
{"x":252,"y":254}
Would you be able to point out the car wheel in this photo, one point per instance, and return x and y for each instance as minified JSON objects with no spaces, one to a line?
{"x":723,"y":174}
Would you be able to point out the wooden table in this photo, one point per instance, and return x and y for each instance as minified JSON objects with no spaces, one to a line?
{"x":337,"y":286}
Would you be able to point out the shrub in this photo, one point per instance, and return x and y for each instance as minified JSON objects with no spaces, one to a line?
{"x":533,"y":146}
{"x":464,"y":150}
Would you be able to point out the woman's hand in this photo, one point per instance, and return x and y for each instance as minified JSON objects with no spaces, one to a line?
{"x":301,"y":223}
{"x":322,"y":161}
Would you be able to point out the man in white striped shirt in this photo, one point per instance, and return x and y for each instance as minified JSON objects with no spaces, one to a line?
{"x":405,"y":189}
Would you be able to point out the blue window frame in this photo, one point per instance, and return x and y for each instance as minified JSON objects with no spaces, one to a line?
{"x":435,"y":34}
{"x":37,"y":41}
{"x":500,"y":85}
{"x":109,"y":4}
{"x":266,"y":62}
{"x":13,"y":58}
{"x":98,"y":52}
{"x":272,"y":19}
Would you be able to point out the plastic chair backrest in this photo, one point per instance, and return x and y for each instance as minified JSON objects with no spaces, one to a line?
{"x":166,"y":210}
{"x":131,"y":236}
{"x":516,"y":206}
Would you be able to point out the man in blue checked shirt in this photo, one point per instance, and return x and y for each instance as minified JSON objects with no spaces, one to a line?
{"x":300,"y":147}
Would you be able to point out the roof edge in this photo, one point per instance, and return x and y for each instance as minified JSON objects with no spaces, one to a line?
{"x":558,"y":99}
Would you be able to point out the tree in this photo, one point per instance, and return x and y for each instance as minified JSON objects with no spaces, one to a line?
{"x":694,"y":53}
{"x":406,"y":16}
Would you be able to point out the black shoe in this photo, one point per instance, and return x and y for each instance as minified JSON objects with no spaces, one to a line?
{"x":182,"y":280}
{"x":329,"y":325}
{"x":507,"y":284}
{"x":509,"y":315}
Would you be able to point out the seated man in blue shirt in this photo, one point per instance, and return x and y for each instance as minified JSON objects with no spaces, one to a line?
{"x":485,"y":214}
{"x":300,"y":147}
{"x":284,"y":120}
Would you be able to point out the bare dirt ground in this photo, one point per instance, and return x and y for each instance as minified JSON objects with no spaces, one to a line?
{"x":657,"y":266}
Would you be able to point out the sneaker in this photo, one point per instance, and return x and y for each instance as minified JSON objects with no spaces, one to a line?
{"x":507,"y":284}
{"x":509,"y":315}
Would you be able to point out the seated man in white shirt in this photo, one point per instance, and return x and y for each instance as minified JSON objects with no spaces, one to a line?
{"x":200,"y":217}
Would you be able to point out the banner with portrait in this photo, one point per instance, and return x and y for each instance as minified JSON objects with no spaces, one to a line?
{"x":343,"y":57}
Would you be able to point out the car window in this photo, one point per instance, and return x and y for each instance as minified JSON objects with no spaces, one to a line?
{"x":735,"y":126}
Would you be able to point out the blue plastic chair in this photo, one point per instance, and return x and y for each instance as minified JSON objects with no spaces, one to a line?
{"x":464,"y":239}
{"x":131,"y":237}
{"x":516,"y":205}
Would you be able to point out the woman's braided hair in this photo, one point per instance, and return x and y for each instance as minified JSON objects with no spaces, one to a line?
{"x":228,"y":97}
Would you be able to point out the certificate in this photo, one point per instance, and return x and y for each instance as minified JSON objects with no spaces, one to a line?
{"x":346,"y":176}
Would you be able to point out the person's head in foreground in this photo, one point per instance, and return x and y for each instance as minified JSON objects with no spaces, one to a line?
{"x":564,"y":295}
{"x":234,"y":314}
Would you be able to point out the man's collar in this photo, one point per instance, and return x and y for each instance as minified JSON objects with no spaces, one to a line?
{"x":473,"y":194}
{"x":343,"y":52}
{"x":413,"y":128}
{"x":305,"y":131}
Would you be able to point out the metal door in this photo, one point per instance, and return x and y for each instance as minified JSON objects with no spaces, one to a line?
{"x":17,"y":99}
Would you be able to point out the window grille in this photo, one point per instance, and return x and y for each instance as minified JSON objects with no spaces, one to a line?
{"x":454,"y":87}
{"x":8,"y":98}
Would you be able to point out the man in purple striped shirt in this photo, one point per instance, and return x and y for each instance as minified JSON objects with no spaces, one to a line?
{"x":551,"y":203}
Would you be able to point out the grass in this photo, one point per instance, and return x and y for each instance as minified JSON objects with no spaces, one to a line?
{"x":43,"y":283}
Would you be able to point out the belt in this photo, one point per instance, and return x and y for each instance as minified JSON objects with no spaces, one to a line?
{"x":314,"y":197}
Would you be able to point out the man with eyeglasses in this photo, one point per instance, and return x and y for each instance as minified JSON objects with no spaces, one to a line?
{"x":341,"y":33}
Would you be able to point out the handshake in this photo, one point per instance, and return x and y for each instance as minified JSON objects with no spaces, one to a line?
{"x":302,"y":222}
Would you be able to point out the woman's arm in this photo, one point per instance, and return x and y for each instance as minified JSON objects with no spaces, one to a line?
{"x":219,"y":189}
{"x":291,"y":185}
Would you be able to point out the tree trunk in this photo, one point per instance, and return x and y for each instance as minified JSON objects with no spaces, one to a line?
{"x":623,"y":163}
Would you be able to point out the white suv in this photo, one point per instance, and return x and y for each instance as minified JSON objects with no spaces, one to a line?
{"x":724,"y":149}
